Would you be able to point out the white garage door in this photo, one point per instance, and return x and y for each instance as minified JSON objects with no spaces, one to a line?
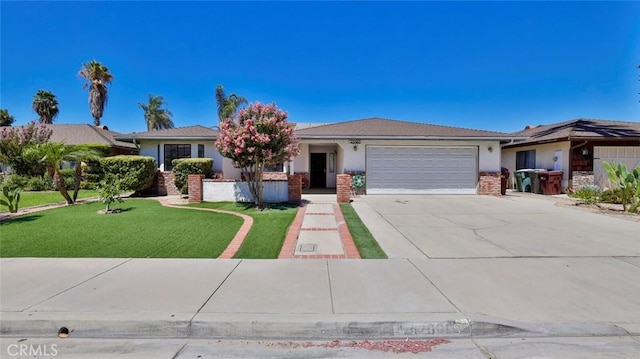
{"x":629,"y":155}
{"x":421,"y":170}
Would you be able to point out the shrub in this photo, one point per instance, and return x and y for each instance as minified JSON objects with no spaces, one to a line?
{"x":184,"y":167}
{"x":612,"y":196}
{"x":11,"y":199}
{"x":589,"y":193}
{"x":39,"y":184}
{"x":14,"y":181}
{"x":89,"y":185}
{"x":110,"y":190}
{"x":68,"y":174}
{"x":135,"y":172}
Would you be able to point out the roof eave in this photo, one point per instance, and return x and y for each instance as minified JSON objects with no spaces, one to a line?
{"x":167,"y":138}
{"x":368,"y":137}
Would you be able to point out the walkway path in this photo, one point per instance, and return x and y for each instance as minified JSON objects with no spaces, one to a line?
{"x":319,"y":231}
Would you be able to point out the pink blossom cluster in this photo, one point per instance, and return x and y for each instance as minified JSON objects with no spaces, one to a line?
{"x":260,"y":137}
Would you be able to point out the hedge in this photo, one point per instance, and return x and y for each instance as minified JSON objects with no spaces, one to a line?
{"x":136,"y":172}
{"x":183,"y":167}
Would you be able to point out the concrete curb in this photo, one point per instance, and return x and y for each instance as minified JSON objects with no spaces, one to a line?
{"x":288,"y":327}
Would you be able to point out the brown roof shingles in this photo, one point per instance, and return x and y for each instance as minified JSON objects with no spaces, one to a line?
{"x":76,"y":134}
{"x":386,"y":128}
{"x":189,"y":132}
{"x":579,"y":129}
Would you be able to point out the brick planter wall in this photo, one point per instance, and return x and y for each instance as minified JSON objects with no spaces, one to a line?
{"x":295,"y":188}
{"x":165,"y":184}
{"x":306,"y":180}
{"x":195,"y":188}
{"x":343,"y":188}
{"x":581,"y":178}
{"x":490,"y":183}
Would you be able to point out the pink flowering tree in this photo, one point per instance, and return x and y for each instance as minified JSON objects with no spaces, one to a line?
{"x":260,"y":137}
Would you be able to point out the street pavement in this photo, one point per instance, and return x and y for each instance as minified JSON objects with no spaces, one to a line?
{"x":520,"y":276}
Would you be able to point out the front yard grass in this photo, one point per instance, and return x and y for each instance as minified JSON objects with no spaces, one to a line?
{"x":144,"y":229}
{"x":30,"y":199}
{"x":269,"y":228}
{"x":367,"y":245}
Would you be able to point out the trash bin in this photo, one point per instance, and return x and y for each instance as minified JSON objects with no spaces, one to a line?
{"x":504,"y":176}
{"x":523,"y":182}
{"x":551,"y":182}
{"x":535,"y":175}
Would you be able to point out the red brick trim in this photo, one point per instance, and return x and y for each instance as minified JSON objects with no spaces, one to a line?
{"x":347,"y":240}
{"x":289,"y":245}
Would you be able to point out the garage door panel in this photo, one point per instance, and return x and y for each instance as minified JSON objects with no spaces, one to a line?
{"x":421,"y":170}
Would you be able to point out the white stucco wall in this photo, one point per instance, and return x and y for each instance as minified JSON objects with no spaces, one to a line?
{"x":545,"y":154}
{"x":274,"y":191}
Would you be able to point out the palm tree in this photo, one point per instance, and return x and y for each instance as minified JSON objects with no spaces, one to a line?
{"x":157,"y":118}
{"x":228,"y":106}
{"x":45,"y":105}
{"x":53,"y":154}
{"x":5,"y":118}
{"x":97,"y":77}
{"x":80,"y":154}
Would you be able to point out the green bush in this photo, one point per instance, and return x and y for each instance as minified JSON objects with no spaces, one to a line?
{"x":136,"y":173}
{"x":39,"y":184}
{"x":612,"y":196}
{"x":184,"y":167}
{"x":14,"y":181}
{"x":588,"y":193}
{"x":68,"y":175}
{"x":89,"y":185}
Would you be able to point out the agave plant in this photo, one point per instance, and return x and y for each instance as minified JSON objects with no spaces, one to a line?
{"x":11,"y":199}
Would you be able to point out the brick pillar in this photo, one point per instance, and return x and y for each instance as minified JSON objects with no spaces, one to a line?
{"x":343,"y":188}
{"x":294,"y":184}
{"x":490,"y":183}
{"x":161,"y":188}
{"x":195,"y":188}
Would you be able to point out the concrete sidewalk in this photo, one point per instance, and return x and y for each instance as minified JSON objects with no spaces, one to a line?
{"x":320,"y":299}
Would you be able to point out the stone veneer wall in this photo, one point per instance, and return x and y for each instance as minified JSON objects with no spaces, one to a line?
{"x":580,"y":179}
{"x":295,"y":188}
{"x":490,"y":183}
{"x":165,"y":184}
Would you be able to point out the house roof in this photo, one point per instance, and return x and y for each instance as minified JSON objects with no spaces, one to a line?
{"x":380,"y":128}
{"x":196,"y":132}
{"x":77,"y":134}
{"x":579,"y":129}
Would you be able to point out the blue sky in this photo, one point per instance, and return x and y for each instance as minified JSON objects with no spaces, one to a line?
{"x":495,"y":66}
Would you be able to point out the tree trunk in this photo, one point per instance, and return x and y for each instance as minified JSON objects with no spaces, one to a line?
{"x":59,"y":181}
{"x":76,"y":181}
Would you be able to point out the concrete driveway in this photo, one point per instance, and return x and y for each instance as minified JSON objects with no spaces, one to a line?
{"x":493,"y":227}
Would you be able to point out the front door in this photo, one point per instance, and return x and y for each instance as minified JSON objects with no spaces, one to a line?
{"x":318,"y":172}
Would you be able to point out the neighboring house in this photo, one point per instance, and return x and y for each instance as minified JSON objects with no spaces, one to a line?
{"x":401,"y":157}
{"x":396,"y":156}
{"x":79,"y":134}
{"x":577,"y":148}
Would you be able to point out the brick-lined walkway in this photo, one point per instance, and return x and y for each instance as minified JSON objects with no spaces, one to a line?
{"x":349,"y":249}
{"x":237,"y":240}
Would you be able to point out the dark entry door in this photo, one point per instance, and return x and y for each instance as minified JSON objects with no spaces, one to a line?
{"x":318,"y":172}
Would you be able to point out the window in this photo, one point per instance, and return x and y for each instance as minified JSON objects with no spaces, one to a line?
{"x":277,"y":168}
{"x":200,"y":151}
{"x":172,"y":152}
{"x":525,"y":159}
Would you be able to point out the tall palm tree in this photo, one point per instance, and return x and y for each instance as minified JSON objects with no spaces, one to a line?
{"x":45,"y":105}
{"x":157,"y":118}
{"x":52,"y":154}
{"x":5,"y":118}
{"x":98,"y":77}
{"x":228,"y":106}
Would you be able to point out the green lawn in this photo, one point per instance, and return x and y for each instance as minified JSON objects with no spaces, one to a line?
{"x":143,"y":229}
{"x":30,"y":199}
{"x":367,"y":245}
{"x":269,"y":228}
